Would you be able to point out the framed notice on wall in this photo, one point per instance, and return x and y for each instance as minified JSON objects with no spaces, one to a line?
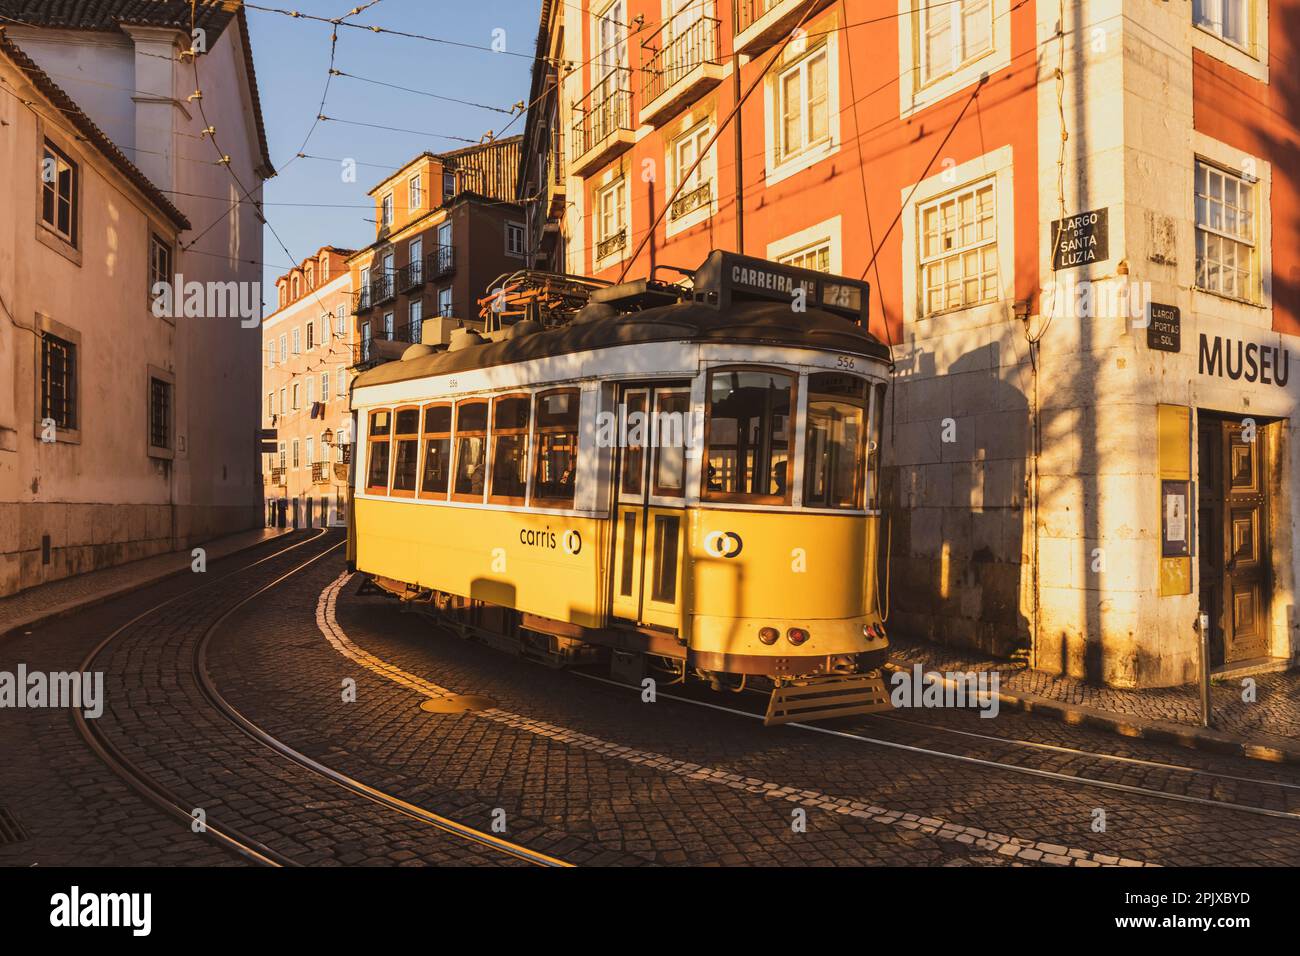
{"x":1175,"y":519}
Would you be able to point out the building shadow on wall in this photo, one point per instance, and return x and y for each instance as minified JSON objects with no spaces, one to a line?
{"x":956,"y":496}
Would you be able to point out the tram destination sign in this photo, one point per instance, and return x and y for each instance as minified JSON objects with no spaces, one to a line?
{"x":1081,"y":240}
{"x":735,"y":278}
{"x":1165,"y":328}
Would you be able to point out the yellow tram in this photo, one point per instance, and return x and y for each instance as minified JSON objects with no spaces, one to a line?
{"x":679,"y":478}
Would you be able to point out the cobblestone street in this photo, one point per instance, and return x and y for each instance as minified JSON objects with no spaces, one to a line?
{"x":561,"y":763}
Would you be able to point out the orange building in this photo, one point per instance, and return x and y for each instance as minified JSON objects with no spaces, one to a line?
{"x":1077,"y":220}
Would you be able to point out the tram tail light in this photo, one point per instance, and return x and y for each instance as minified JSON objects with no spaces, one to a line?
{"x":768,"y":635}
{"x":796,"y":636}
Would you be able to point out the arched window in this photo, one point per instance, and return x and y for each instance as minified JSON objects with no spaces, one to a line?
{"x":295,"y":287}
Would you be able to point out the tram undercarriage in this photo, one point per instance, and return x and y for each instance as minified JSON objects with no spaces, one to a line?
{"x":838,"y":686}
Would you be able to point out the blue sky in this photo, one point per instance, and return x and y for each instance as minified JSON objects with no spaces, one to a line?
{"x":292,"y":57}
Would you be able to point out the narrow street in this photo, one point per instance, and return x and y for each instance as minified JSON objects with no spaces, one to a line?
{"x":570,"y":767}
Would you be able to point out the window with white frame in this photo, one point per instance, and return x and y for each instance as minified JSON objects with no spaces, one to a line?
{"x":343,"y":383}
{"x":297,"y":341}
{"x":311,"y":336}
{"x":816,"y":256}
{"x":954,"y":34}
{"x":311,"y":450}
{"x":295,"y":396}
{"x":959,"y":249}
{"x":270,"y":405}
{"x":444,"y":302}
{"x":324,"y":386}
{"x":284,"y":406}
{"x":514,"y":239}
{"x":803,"y":114}
{"x":416,"y":320}
{"x":416,"y":191}
{"x":284,"y":350}
{"x":1225,"y":233}
{"x":1229,"y":19}
{"x":59,"y":190}
{"x":611,"y":225}
{"x":296,"y":460}
{"x":340,"y":322}
{"x":697,"y":184}
{"x":386,"y":210}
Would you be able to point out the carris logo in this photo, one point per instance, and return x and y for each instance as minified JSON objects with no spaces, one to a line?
{"x":723,"y":544}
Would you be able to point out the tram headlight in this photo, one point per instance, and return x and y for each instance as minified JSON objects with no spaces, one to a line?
{"x":796,"y":636}
{"x":768,"y":635}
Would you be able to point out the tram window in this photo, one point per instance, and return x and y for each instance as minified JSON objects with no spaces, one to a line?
{"x":672,"y":419}
{"x":634,"y":413}
{"x":471,"y":450}
{"x":406,"y":457}
{"x":437,"y":451}
{"x":555,"y":463}
{"x":381,"y":424}
{"x":748,"y":436}
{"x":877,"y":431}
{"x":835,"y":441}
{"x":509,"y":449}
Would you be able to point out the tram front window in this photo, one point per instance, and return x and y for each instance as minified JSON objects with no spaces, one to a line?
{"x":834,"y":444}
{"x":749,"y":435}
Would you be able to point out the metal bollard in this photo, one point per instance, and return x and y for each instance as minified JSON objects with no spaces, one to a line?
{"x":1205,"y":669}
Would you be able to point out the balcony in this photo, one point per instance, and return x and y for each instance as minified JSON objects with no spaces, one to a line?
{"x":612,"y":244}
{"x":383,"y":288}
{"x":320,"y":473}
{"x":361,"y":303}
{"x":604,"y":128}
{"x":410,"y":276}
{"x":555,"y":182}
{"x":762,"y":23}
{"x":277,"y":476}
{"x":688,"y":202}
{"x":681,"y":65}
{"x":375,"y":347}
{"x":442,"y":261}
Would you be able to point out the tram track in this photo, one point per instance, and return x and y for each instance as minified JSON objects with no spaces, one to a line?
{"x":231,"y":837}
{"x":1011,"y":767}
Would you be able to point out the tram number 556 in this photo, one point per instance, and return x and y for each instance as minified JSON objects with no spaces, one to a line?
{"x":844,"y":361}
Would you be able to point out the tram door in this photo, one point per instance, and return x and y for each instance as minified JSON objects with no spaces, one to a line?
{"x":649,"y":516}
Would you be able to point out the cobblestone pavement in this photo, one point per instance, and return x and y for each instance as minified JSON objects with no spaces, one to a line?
{"x":34,"y":604}
{"x":1274,"y":713}
{"x":579,"y":769}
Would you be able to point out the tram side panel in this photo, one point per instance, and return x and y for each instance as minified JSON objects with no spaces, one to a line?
{"x":539,"y":563}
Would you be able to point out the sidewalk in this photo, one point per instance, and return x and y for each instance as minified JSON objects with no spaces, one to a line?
{"x":1266,"y":729}
{"x":26,"y":609}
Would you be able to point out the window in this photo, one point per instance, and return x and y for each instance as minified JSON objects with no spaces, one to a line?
{"x":160,"y":413}
{"x":59,"y":381}
{"x":295,"y":396}
{"x":954,"y":34}
{"x":324,"y":269}
{"x":835,"y":441}
{"x":311,"y":450}
{"x":311,"y":391}
{"x":343,"y":383}
{"x":415,"y":190}
{"x":296,"y":462}
{"x":284,"y":407}
{"x":281,"y":456}
{"x":1225,"y":233}
{"x":816,"y":257}
{"x":697,"y":188}
{"x":341,"y":322}
{"x":160,"y":264}
{"x":959,"y":250}
{"x":632,"y":480}
{"x":406,"y":433}
{"x":471,"y":450}
{"x":509,"y":449}
{"x":363,"y":299}
{"x":448,"y":185}
{"x":295,"y":286}
{"x":1229,"y":19}
{"x":748,"y":436}
{"x":417,"y":320}
{"x":284,"y":296}
{"x":311,"y":336}
{"x":611,"y":45}
{"x":59,"y":192}
{"x":611,"y":234}
{"x":415,"y":262}
{"x":672,"y":419}
{"x":297,"y":341}
{"x":311,"y":277}
{"x":381,"y":424}
{"x":803,"y":106}
{"x":555,"y":464}
{"x":437,"y":452}
{"x":386,"y":210}
{"x":270,"y":405}
{"x":388,"y":326}
{"x":445,"y":250}
{"x":365,"y":341}
{"x":324,"y":386}
{"x":514,"y":239}
{"x":444,"y":303}
{"x":284,"y":350}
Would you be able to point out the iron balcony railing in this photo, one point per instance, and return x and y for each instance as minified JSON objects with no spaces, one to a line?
{"x":442,"y":260}
{"x":411,"y":275}
{"x":363,"y":351}
{"x":383,"y":287}
{"x":748,"y":11}
{"x":605,"y":110}
{"x":320,"y":473}
{"x":611,"y":244}
{"x":361,"y":300}
{"x":277,"y":476}
{"x":688,"y":47}
{"x":701,"y":195}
